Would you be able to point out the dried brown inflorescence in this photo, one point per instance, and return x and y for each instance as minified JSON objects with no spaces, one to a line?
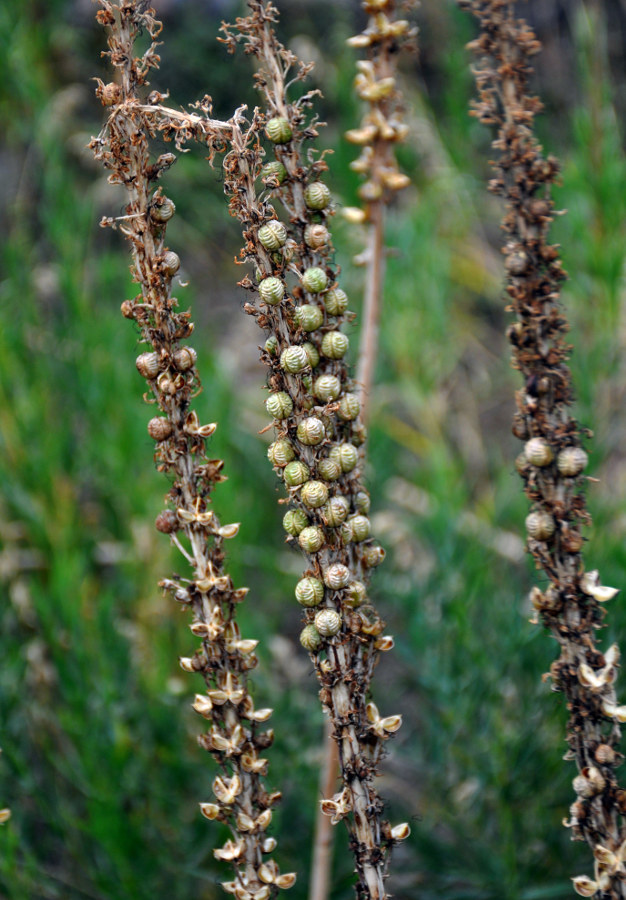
{"x":169,"y":367}
{"x":553,"y":461}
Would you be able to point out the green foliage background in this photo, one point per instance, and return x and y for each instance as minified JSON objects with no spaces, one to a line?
{"x":100,"y":765}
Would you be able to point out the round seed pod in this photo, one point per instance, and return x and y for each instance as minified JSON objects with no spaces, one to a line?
{"x":275,"y":170}
{"x":280,"y":453}
{"x":346,"y":455}
{"x":362,"y":501}
{"x":273,"y":235}
{"x":359,"y":434}
{"x":336,"y":302}
{"x":374,"y":555}
{"x":328,"y":622}
{"x":110,"y":94}
{"x":167,"y":522}
{"x":148,"y":364}
{"x":317,"y":195}
{"x":271,"y":290}
{"x":314,"y":494}
{"x":327,"y":388}
{"x":309,"y":317}
{"x":185,"y":359}
{"x":271,"y":345}
{"x":162,"y":212}
{"x":345,"y":533}
{"x":355,"y":594}
{"x":349,"y":406}
{"x":540,"y":525}
{"x":538,"y":452}
{"x":336,"y":511}
{"x":316,"y":236}
{"x":279,"y":405}
{"x":328,"y":469}
{"x":314,"y":280}
{"x":296,"y":473}
{"x":170,"y":263}
{"x":278,"y":130}
{"x":336,"y":576}
{"x":361,"y":528}
{"x":294,"y":359}
{"x":605,"y":755}
{"x":311,"y":431}
{"x":310,"y":638}
{"x":335,"y":344}
{"x":294,"y":521}
{"x":309,"y":592}
{"x":312,"y":353}
{"x":311,"y":539}
{"x":571,"y":461}
{"x":521,"y":464}
{"x":159,"y":428}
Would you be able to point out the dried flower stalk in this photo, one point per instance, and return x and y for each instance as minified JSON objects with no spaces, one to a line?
{"x":224,"y":658}
{"x":553,"y":461}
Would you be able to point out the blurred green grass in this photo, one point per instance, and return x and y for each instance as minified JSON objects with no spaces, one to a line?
{"x":100,"y":766}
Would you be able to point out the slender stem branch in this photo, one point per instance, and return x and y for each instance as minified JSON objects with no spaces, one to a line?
{"x":372,"y":300}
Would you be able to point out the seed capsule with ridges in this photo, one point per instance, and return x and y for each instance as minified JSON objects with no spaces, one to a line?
{"x":278,"y":130}
{"x":328,"y":469}
{"x":311,"y":539}
{"x":362,"y":501}
{"x":349,"y":407}
{"x":336,"y":576}
{"x":279,"y":405}
{"x":336,"y":302}
{"x":310,"y":638}
{"x":280,"y":453}
{"x":317,"y":195}
{"x":316,"y":236}
{"x":294,"y":521}
{"x":361,"y":528}
{"x":336,"y":511}
{"x":162,"y":212}
{"x":540,"y":525}
{"x":309,"y":592}
{"x":309,"y":317}
{"x":275,"y":170}
{"x":571,"y":461}
{"x":148,"y":364}
{"x":328,"y":622}
{"x":355,"y":594}
{"x":296,"y":473}
{"x":314,"y":280}
{"x":312,"y":354}
{"x":311,"y":431}
{"x":335,"y":344}
{"x":171,"y":263}
{"x":294,"y":359}
{"x":273,"y":235}
{"x":327,"y":388}
{"x":346,"y":455}
{"x":185,"y":359}
{"x":159,"y":428}
{"x":271,"y":290}
{"x":374,"y":555}
{"x":538,"y":452}
{"x":271,"y":345}
{"x":314,"y":494}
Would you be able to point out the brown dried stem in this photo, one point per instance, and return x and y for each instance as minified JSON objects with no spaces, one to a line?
{"x":553,"y":460}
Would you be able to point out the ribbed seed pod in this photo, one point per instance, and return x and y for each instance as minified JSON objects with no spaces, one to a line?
{"x":294,"y":521}
{"x":345,"y":533}
{"x":374,"y":555}
{"x":309,"y":592}
{"x":314,"y":280}
{"x":328,"y":622}
{"x":327,"y":388}
{"x":336,"y":511}
{"x":273,"y":235}
{"x":311,"y":431}
{"x":538,"y":452}
{"x":294,"y":359}
{"x":540,"y":525}
{"x":361,"y":528}
{"x":309,"y":317}
{"x":279,"y":405}
{"x":349,"y":407}
{"x":271,"y":290}
{"x":571,"y":461}
{"x":362,"y":501}
{"x":167,"y":522}
{"x":162,"y":212}
{"x":328,"y":469}
{"x":314,"y":494}
{"x":335,"y":344}
{"x":280,"y":453}
{"x":346,"y":455}
{"x":310,"y":638}
{"x":311,"y":539}
{"x":148,"y":365}
{"x":275,"y":170}
{"x":336,"y":576}
{"x":355,"y":594}
{"x":312,"y":353}
{"x":159,"y":428}
{"x":316,"y":236}
{"x":185,"y":359}
{"x":171,"y":263}
{"x":296,"y":473}
{"x":271,"y":345}
{"x":317,"y":195}
{"x":336,"y":302}
{"x":278,"y":130}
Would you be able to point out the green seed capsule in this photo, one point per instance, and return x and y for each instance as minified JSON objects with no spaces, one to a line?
{"x":345,"y":533}
{"x":349,"y":407}
{"x":314,"y":494}
{"x":355,"y":594}
{"x":314,"y":280}
{"x":336,"y":576}
{"x":309,"y":317}
{"x":294,"y":359}
{"x":309,"y":592}
{"x":336,"y":302}
{"x":374,"y":555}
{"x":311,"y":431}
{"x":311,"y":539}
{"x":362,"y":501}
{"x":273,"y":235}
{"x":272,"y":290}
{"x":327,"y":388}
{"x":336,"y":511}
{"x":317,"y":195}
{"x":278,"y":130}
{"x":294,"y":521}
{"x":346,"y":455}
{"x":335,"y":344}
{"x":310,"y":638}
{"x":316,"y":236}
{"x":279,"y":405}
{"x":307,"y":384}
{"x":275,"y":170}
{"x":296,"y":473}
{"x":328,"y":469}
{"x":280,"y":453}
{"x":328,"y":622}
{"x":271,"y":345}
{"x":312,"y":353}
{"x":361,"y":528}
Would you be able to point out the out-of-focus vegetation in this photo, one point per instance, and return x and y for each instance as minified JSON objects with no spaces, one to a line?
{"x":100,"y":766}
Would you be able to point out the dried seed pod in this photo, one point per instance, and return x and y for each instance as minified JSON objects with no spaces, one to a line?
{"x":185,"y":359}
{"x":374,"y":555}
{"x":294,"y":359}
{"x":316,"y":236}
{"x":346,"y":455}
{"x":309,"y":317}
{"x":336,"y":302}
{"x":355,"y":594}
{"x":521,"y":464}
{"x":362,"y":501}
{"x":278,"y":130}
{"x":161,"y":212}
{"x":538,"y":452}
{"x":311,"y":353}
{"x":167,"y":522}
{"x":516,"y":263}
{"x":294,"y":521}
{"x":605,"y":755}
{"x":170,"y":263}
{"x":328,"y":469}
{"x":571,"y":461}
{"x":148,"y":365}
{"x":275,"y":170}
{"x":328,"y":622}
{"x":309,"y":592}
{"x":361,"y":528}
{"x":314,"y":494}
{"x":311,"y":538}
{"x":520,"y":427}
{"x":311,"y":431}
{"x":296,"y":473}
{"x":349,"y":406}
{"x":271,"y":290}
{"x":310,"y":638}
{"x":109,"y":94}
{"x":314,"y":280}
{"x":271,"y":345}
{"x":540,"y":525}
{"x":336,"y":576}
{"x":336,"y":511}
{"x":345,"y":533}
{"x":273,"y":235}
{"x":279,"y":405}
{"x":583,"y":787}
{"x":335,"y":344}
{"x":327,"y":388}
{"x":317,"y":195}
{"x":160,"y":428}
{"x":280,"y":453}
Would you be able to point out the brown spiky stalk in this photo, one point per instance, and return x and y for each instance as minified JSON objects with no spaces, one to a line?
{"x":223,"y":659}
{"x":553,"y":461}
